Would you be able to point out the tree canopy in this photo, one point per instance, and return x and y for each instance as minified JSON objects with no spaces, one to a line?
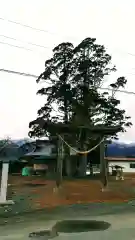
{"x":72,"y":80}
{"x":75,"y":76}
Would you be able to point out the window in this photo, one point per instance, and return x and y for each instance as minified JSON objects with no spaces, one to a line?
{"x":132,"y":165}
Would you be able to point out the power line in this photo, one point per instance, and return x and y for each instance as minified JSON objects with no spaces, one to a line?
{"x":35,"y":76}
{"x":15,"y":39}
{"x":46,"y":31}
{"x":40,"y":30}
{"x":131,"y":54}
{"x":28,"y":49}
{"x":122,"y":91}
{"x":34,"y":44}
{"x":18,"y":73}
{"x":43,"y":30}
{"x":16,"y":46}
{"x":21,"y":47}
{"x":27,"y":26}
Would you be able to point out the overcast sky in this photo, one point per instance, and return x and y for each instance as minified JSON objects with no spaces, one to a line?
{"x":110,"y":22}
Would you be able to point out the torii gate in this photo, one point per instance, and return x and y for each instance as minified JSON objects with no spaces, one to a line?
{"x":99,"y":130}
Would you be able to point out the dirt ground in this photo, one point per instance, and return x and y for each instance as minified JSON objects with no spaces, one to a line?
{"x":75,"y":199}
{"x":32,"y":193}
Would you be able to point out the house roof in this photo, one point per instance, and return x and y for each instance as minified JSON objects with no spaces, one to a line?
{"x":16,"y":149}
{"x":40,"y":151}
{"x":12,"y":152}
{"x":119,"y":159}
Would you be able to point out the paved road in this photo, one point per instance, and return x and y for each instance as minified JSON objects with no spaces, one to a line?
{"x":122,"y":227}
{"x":70,"y":211}
{"x":121,"y":218}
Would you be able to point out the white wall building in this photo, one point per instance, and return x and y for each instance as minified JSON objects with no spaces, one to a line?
{"x":128,"y":164}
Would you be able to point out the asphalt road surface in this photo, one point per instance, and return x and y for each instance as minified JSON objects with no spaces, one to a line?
{"x":121,"y":219}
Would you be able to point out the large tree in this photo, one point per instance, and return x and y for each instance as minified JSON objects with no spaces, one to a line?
{"x":75,"y":75}
{"x":58,"y":73}
{"x":93,"y":107}
{"x":59,"y":92}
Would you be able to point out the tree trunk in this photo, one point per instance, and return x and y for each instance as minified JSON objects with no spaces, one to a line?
{"x":68,"y":167}
{"x":83,"y":157}
{"x":91,"y":169}
{"x":73,"y":165}
{"x":59,"y":163}
{"x":104,"y":175}
{"x":82,"y":166}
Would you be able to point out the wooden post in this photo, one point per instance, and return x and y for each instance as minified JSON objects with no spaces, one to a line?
{"x":4,"y":185}
{"x":91,"y":168}
{"x":4,"y":182}
{"x":59,"y":163}
{"x":103,"y":165}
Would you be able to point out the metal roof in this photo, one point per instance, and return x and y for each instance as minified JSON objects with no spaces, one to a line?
{"x":12,"y":151}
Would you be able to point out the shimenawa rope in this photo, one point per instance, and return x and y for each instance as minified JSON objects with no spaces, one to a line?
{"x":81,"y":152}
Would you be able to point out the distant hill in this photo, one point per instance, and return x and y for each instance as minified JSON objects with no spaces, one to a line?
{"x":118,"y":149}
